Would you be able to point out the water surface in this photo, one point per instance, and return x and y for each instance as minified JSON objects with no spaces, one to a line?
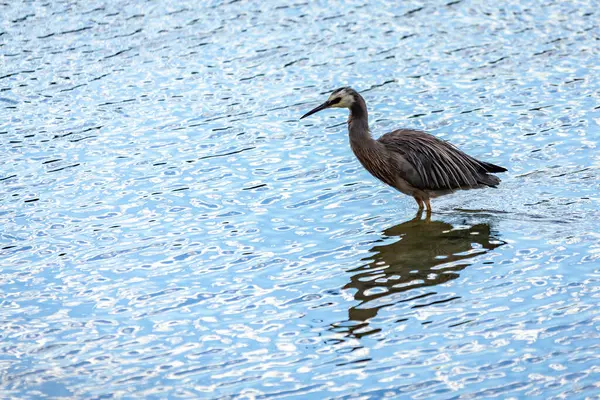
{"x":171,"y":230}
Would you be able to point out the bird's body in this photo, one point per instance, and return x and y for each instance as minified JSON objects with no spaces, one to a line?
{"x":414,"y":162}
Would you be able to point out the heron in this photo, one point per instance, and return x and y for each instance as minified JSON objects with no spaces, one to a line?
{"x":411,"y":161}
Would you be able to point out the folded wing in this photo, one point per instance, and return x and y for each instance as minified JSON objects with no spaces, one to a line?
{"x":437,"y":164}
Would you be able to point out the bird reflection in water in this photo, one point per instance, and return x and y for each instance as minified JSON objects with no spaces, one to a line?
{"x":427,"y":253}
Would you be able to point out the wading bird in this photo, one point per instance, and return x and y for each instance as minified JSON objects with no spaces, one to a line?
{"x":413,"y":162}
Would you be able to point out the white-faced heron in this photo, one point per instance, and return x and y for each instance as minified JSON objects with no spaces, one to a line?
{"x":414,"y":162}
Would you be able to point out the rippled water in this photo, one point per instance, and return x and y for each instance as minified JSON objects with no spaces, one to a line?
{"x":170,"y":229}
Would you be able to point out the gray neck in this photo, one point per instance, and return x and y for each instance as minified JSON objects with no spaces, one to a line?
{"x":358,"y":123}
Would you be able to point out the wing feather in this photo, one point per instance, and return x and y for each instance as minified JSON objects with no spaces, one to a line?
{"x":439,"y":165}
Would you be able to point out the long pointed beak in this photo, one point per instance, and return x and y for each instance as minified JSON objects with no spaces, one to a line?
{"x":314,"y":110}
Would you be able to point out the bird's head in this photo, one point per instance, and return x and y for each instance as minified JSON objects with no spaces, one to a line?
{"x":343,"y":97}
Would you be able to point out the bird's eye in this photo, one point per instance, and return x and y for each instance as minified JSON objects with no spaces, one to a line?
{"x":335,"y":101}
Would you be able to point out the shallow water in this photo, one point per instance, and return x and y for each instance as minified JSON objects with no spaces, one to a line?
{"x":170,"y":229}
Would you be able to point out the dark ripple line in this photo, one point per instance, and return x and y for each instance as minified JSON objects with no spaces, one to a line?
{"x":83,"y":131}
{"x":539,"y":108}
{"x":85,"y":28}
{"x":199,"y":45}
{"x":109,"y":103}
{"x":247,"y":118}
{"x":413,"y":11}
{"x":336,"y":125}
{"x":498,"y":60}
{"x":118,"y":53}
{"x":9,"y":75}
{"x":436,"y":302}
{"x":470,"y":111}
{"x":460,"y":323}
{"x":94,"y":10}
{"x":226,"y":154}
{"x":251,"y":77}
{"x":8,"y":177}
{"x":465,"y":48}
{"x":178,"y":11}
{"x":380,"y":85}
{"x":288,"y":106}
{"x":68,"y":166}
{"x":350,"y":363}
{"x":332,"y":17}
{"x":74,"y":87}
{"x":570,"y":173}
{"x":83,"y":138}
{"x":23,"y":18}
{"x":100,"y":77}
{"x":128,"y":34}
{"x":294,"y":62}
{"x":386,"y":51}
{"x":255,"y":187}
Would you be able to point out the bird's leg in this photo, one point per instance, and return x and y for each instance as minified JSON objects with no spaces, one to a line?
{"x":420,"y":203}
{"x":427,"y":219}
{"x":419,"y":215}
{"x":428,"y":215}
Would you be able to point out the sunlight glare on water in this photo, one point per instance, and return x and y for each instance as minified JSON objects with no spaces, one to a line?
{"x":170,"y":229}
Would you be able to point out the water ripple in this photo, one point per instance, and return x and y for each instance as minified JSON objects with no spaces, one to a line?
{"x":171,"y":229}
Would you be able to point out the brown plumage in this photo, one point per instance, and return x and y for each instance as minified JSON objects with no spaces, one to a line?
{"x":414,"y":162}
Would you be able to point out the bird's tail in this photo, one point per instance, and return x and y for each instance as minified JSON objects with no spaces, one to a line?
{"x":492,"y":167}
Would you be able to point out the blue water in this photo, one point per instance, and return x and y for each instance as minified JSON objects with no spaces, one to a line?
{"x":170,"y":229}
